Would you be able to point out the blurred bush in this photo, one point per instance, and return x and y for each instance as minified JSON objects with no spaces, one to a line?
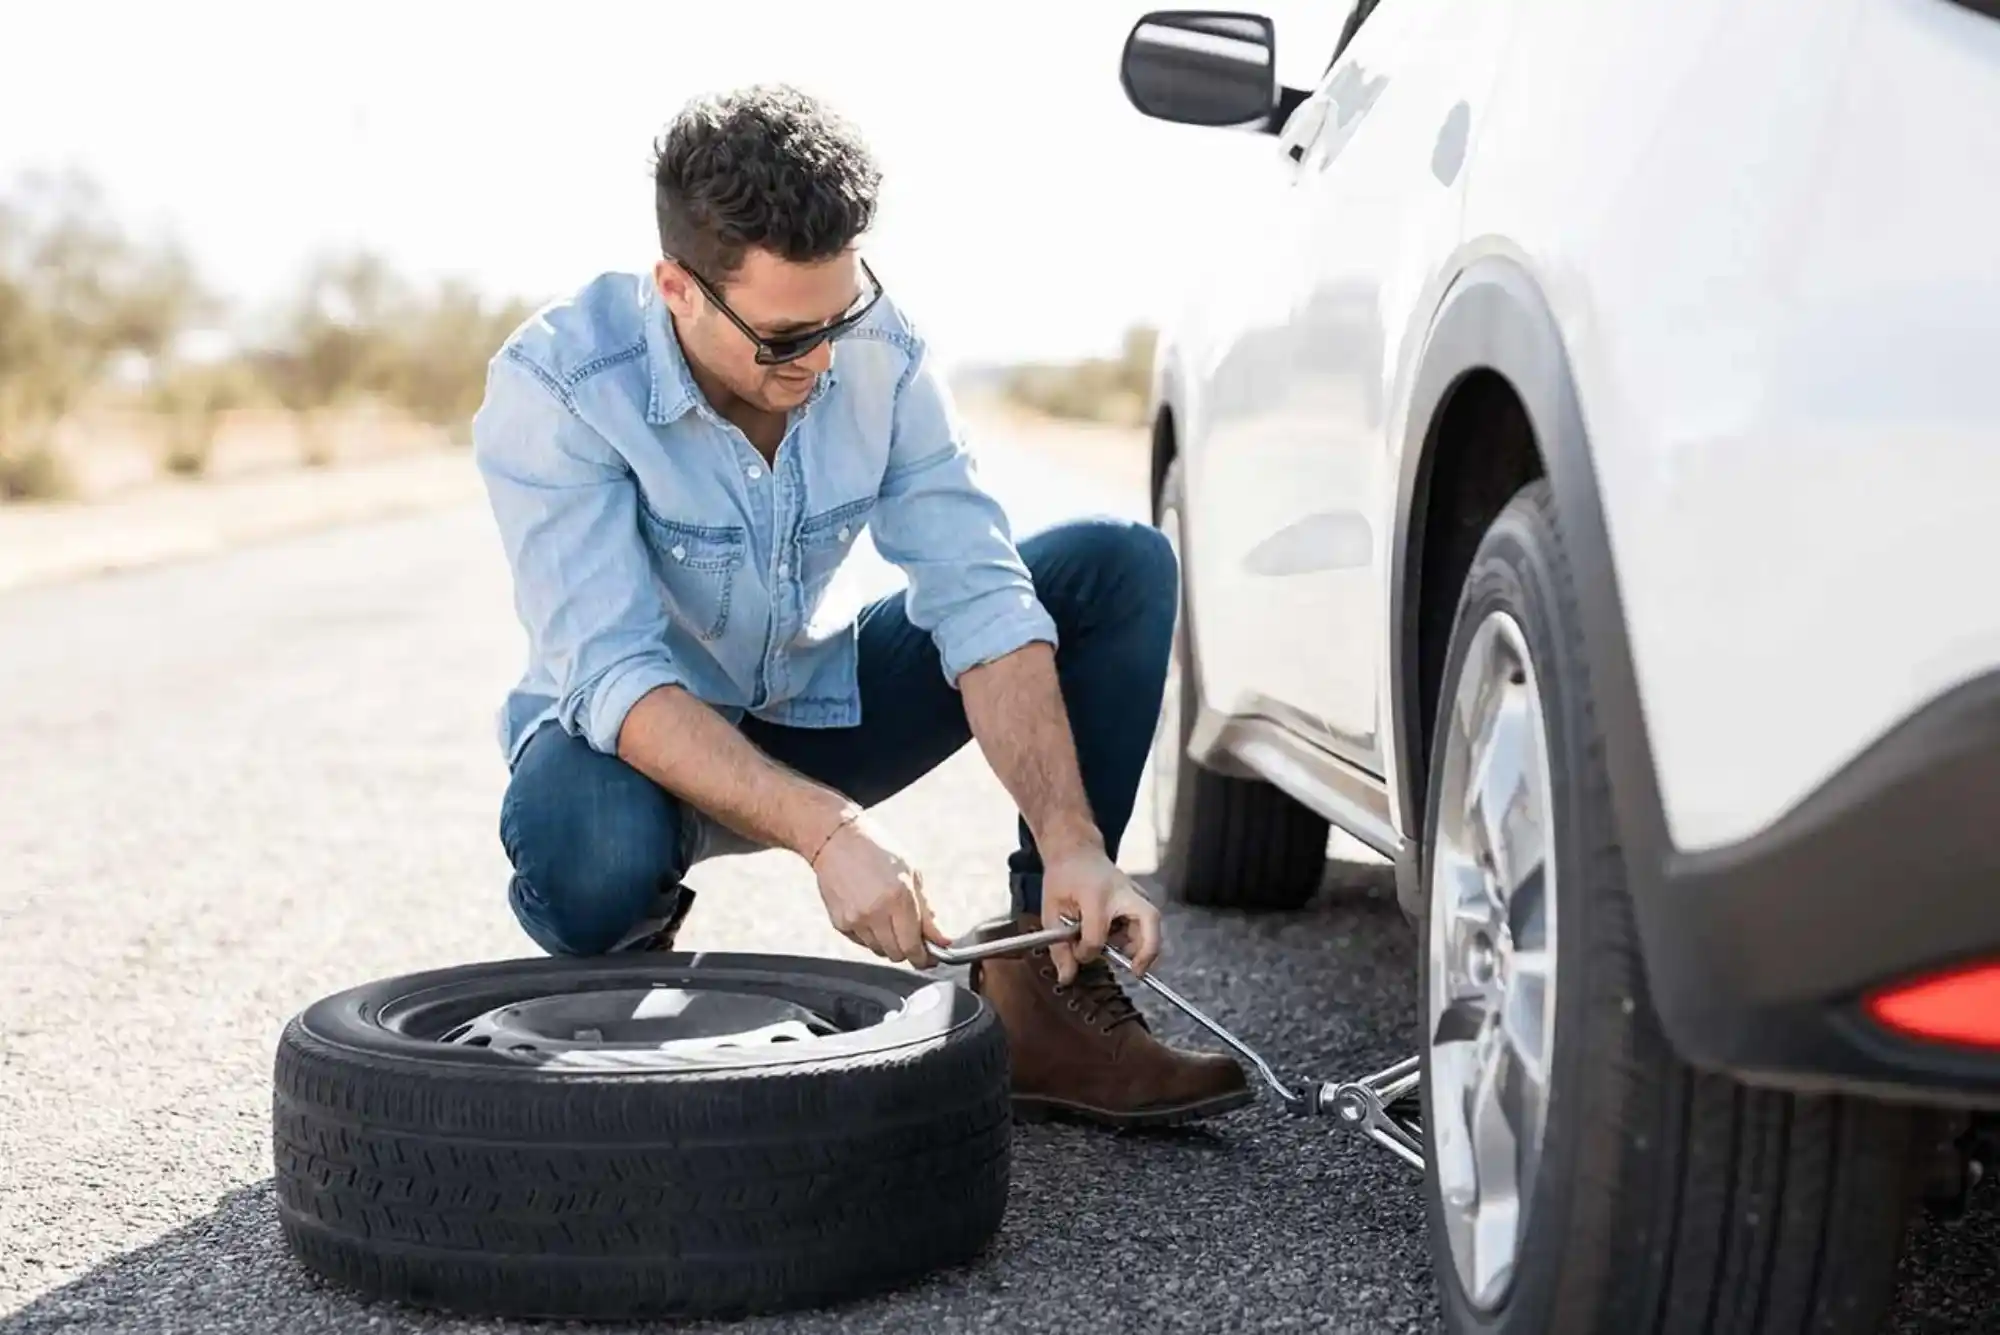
{"x":76,"y":292}
{"x":91,"y":313}
{"x":85,"y":305}
{"x":358,"y":332}
{"x":435,"y":369}
{"x":1104,"y":389}
{"x":191,"y":400}
{"x":330,"y":346}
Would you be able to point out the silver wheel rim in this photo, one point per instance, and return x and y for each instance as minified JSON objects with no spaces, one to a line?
{"x":1167,"y":735}
{"x":661,"y":1020}
{"x":1492,"y":957}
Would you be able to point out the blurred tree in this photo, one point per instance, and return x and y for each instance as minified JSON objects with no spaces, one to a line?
{"x":332,"y":347}
{"x":440,"y":352}
{"x":191,"y":399}
{"x":34,"y":388}
{"x":1141,"y":343}
{"x":358,"y":331}
{"x":75,"y":292}
{"x":1097,"y":389}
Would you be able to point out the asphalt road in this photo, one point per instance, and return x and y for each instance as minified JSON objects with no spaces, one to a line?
{"x":234,"y":785}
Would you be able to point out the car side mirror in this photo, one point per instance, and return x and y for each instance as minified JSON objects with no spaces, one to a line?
{"x":1203,"y":67}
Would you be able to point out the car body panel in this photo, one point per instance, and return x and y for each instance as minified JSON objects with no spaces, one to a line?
{"x":1735,"y":258}
{"x":1786,"y":383}
{"x":1298,"y":371}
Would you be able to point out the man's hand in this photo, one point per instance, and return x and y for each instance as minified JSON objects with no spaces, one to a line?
{"x":1088,"y":886}
{"x":874,"y":897}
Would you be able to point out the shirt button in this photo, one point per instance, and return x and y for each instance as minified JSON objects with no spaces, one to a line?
{"x":843,"y":535}
{"x":680,"y":553}
{"x":755,"y":472}
{"x":784,"y":570}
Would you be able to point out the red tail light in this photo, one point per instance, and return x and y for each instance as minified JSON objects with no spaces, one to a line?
{"x":1962,"y":1006}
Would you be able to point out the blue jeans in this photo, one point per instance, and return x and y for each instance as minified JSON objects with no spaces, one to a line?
{"x":595,"y":844}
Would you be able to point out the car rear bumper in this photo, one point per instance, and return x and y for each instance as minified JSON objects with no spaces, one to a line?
{"x":1760,"y":956}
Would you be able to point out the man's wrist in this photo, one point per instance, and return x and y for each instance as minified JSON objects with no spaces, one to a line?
{"x":1067,"y":835}
{"x":826,"y":815}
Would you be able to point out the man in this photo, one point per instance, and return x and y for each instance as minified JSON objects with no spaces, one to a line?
{"x":678,"y":463}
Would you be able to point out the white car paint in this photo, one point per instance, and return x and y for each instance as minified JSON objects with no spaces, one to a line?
{"x":1769,"y":231}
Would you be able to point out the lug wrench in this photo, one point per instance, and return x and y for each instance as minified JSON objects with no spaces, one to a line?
{"x":1367,"y":1104}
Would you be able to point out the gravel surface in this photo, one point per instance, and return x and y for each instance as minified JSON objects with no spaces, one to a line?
{"x":237,"y":784}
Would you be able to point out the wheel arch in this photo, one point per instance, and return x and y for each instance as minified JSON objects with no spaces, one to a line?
{"x":1495,"y":375}
{"x":1479,"y":452}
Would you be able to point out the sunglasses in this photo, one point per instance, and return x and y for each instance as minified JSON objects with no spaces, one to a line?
{"x":790,"y":347}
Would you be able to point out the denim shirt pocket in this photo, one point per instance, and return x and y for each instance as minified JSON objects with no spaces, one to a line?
{"x":697,"y":567}
{"x":826,"y":538}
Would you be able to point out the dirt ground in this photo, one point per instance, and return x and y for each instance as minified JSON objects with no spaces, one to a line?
{"x":111,"y":452}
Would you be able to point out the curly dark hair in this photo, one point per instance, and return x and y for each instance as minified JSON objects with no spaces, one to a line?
{"x":766,"y":166}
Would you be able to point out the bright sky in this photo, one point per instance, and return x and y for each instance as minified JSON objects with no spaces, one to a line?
{"x":1028,"y":209}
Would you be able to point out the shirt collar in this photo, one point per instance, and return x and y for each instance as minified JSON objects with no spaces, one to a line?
{"x":674,"y":390}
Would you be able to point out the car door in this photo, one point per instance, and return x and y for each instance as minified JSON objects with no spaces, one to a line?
{"x":1299,"y":481}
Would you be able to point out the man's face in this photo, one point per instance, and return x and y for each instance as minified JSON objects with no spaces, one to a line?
{"x":775,"y":298}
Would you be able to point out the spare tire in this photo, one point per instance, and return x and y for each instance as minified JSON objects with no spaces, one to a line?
{"x":649,"y":1135}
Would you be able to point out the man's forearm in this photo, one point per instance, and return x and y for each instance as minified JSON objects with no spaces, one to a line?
{"x":1015,"y":707}
{"x":691,"y":751}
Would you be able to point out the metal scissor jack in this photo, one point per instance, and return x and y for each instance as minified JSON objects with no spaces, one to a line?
{"x":1382,"y":1106}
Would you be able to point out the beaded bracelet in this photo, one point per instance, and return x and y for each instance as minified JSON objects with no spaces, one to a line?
{"x":852,"y":814}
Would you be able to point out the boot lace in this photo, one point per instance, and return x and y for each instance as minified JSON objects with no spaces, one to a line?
{"x":1102,"y":996}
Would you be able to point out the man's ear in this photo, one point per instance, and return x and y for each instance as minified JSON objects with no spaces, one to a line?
{"x":676,"y":289}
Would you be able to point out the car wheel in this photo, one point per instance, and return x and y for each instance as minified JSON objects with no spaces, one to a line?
{"x":641,"y":1135}
{"x":1224,"y":842}
{"x":1579,"y":1177}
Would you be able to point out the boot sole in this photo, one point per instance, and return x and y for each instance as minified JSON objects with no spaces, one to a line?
{"x":1036,"y":1108}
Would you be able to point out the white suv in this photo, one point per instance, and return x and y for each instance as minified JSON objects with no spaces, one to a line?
{"x":1586,"y":475}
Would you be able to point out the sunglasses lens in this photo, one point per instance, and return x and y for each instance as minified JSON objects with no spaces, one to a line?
{"x":776,"y":351}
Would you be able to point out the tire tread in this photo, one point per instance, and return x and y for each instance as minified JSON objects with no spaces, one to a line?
{"x":1695,"y":1203}
{"x":630,"y":1195}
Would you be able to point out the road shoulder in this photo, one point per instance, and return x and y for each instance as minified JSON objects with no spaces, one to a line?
{"x":177,"y":520}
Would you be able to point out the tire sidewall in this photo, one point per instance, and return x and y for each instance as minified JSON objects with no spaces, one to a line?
{"x":352,"y":1020}
{"x":1513,"y":571}
{"x":493,"y":1189}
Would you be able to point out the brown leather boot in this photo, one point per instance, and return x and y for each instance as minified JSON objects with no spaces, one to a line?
{"x":1085,"y":1051}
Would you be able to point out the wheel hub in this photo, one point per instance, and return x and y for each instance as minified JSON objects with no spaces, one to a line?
{"x":1482,"y":961}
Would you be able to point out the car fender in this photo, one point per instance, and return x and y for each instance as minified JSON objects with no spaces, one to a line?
{"x":1493,"y":317}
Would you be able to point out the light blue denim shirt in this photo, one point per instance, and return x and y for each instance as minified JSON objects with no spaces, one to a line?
{"x":651,"y":544}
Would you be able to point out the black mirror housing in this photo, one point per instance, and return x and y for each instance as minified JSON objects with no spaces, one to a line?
{"x":1203,"y":67}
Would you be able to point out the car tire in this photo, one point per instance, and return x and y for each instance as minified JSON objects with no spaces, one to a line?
{"x":607,"y":1182}
{"x":1224,"y":842}
{"x":1657,"y":1199}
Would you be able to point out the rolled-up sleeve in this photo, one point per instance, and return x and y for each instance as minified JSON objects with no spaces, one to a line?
{"x":969,"y":587}
{"x":567,"y":509}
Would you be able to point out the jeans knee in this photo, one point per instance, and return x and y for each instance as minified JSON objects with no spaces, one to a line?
{"x":580,"y":898}
{"x":590,"y":858}
{"x":1109,"y":570}
{"x":1152,"y":570}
